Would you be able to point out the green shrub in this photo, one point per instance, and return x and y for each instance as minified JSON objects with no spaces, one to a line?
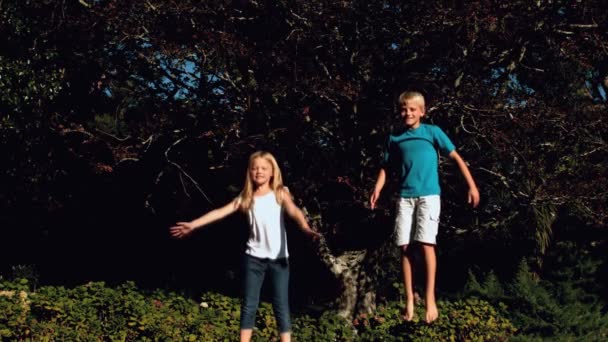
{"x":219,"y":316}
{"x":543,"y":309}
{"x":463,"y":320}
{"x":96,"y":312}
{"x":14,"y":309}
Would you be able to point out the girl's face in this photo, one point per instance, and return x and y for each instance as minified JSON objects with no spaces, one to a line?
{"x":260,"y":171}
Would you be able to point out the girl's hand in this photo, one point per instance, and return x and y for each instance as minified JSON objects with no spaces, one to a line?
{"x":181,"y":230}
{"x":313,"y":234}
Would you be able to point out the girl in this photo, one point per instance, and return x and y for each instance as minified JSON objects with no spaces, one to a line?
{"x":263,"y":199}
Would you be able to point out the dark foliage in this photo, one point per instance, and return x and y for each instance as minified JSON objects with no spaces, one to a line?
{"x":118,"y":118}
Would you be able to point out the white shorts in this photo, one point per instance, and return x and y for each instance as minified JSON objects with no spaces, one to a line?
{"x":417,"y":219}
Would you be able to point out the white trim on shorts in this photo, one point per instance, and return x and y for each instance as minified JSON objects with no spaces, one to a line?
{"x":417,"y":219}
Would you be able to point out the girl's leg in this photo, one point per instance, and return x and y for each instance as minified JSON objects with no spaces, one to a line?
{"x":254,"y":270}
{"x":279,"y":276}
{"x":408,"y":282}
{"x":246,"y":335}
{"x":431,"y":269}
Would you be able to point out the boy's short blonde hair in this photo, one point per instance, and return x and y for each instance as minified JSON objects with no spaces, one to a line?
{"x":412,"y":95}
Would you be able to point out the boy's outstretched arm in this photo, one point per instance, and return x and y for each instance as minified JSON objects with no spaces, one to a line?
{"x":296,"y":213}
{"x":473,"y":195}
{"x":183,"y":229}
{"x":377,"y":188}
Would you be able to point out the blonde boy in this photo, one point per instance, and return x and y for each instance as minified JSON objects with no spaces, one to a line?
{"x":416,"y":149}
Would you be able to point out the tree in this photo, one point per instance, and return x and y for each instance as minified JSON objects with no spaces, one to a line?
{"x":146,"y":95}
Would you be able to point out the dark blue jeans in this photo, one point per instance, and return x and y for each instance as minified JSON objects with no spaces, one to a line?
{"x":278,"y":273}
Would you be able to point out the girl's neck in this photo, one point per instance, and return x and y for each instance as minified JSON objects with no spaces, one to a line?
{"x":261,"y":190}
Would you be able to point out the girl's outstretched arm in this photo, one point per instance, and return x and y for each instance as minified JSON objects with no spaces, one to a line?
{"x":183,"y":229}
{"x":296,"y":213}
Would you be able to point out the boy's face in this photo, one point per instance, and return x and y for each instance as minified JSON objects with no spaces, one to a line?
{"x":412,"y":113}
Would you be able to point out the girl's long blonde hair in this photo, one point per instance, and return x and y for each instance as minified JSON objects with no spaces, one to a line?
{"x":276,"y":181}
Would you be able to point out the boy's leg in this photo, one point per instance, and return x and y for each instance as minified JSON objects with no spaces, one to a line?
{"x":279,"y":277}
{"x":430,"y":261}
{"x":408,"y":282}
{"x":427,"y":225}
{"x":254,"y":270}
{"x":405,"y":217}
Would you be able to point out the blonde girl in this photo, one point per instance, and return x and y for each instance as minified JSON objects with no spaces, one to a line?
{"x":264,"y":200}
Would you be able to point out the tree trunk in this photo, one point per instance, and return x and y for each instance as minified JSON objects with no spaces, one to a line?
{"x":355,"y":270}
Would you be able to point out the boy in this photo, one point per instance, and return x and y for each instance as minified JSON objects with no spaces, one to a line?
{"x":417,"y":217}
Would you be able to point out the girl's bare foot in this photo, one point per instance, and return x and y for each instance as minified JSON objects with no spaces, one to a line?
{"x":431,"y":313}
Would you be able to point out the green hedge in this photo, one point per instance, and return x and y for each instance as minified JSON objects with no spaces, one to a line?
{"x":462,"y":320}
{"x":559,"y":309}
{"x":96,"y":312}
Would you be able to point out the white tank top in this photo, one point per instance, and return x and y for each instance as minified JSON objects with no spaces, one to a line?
{"x":267,"y":236}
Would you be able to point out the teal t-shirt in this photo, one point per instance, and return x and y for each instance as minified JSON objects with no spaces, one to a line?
{"x":416,"y":152}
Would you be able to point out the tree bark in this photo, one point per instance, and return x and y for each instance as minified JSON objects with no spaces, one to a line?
{"x":357,"y":273}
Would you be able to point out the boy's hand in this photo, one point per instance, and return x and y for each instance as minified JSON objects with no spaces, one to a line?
{"x":473,"y":197}
{"x":374,"y":199}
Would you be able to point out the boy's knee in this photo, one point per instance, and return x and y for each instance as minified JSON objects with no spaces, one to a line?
{"x":428,"y":246}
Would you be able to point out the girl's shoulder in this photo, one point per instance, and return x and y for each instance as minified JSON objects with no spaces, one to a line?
{"x":281,"y":193}
{"x":238,"y":201}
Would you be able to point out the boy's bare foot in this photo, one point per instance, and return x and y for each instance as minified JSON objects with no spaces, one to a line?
{"x":431,"y":313}
{"x":408,"y":314}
